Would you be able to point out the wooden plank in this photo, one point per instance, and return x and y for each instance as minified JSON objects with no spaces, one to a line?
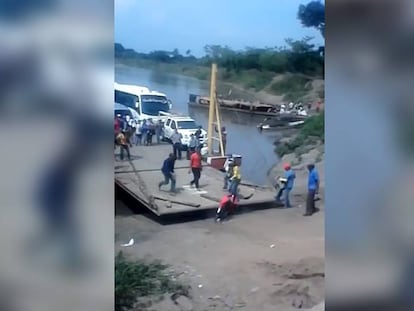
{"x":175,"y":201}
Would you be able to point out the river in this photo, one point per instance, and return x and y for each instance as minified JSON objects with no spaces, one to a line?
{"x":243,"y":138}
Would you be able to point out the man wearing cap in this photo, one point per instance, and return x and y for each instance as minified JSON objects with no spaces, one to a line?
{"x":288,"y":182}
{"x":313,"y":188}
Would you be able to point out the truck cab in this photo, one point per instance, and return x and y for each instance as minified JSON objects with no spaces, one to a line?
{"x":186,"y":126}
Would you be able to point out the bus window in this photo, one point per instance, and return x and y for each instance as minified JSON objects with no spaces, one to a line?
{"x":173,"y":125}
{"x":126,"y":99}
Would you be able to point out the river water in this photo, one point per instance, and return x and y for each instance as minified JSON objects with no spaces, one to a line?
{"x":243,"y":137}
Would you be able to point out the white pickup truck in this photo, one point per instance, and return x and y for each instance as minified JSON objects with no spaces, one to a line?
{"x":186,"y":126}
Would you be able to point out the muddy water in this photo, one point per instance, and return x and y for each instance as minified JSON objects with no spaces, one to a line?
{"x":243,"y":137}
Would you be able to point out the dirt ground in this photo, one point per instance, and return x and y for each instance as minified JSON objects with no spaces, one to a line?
{"x":268,"y":259}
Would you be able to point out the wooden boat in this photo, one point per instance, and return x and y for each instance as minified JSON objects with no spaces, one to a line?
{"x":282,"y":121}
{"x":253,"y":108}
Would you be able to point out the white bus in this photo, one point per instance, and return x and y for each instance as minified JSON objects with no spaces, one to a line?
{"x":148,"y":104}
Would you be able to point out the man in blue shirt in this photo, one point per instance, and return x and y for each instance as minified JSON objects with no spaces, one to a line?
{"x":288,"y":182}
{"x":313,"y":188}
{"x":168,"y":172}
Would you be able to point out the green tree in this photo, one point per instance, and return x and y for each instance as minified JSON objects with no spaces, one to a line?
{"x":175,"y":53}
{"x":300,"y":46}
{"x":313,"y":15}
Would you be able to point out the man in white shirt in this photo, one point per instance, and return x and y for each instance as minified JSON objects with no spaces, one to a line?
{"x":302,"y":112}
{"x":176,"y":141}
{"x":128,"y":120}
{"x":227,"y":172}
{"x":204,"y":150}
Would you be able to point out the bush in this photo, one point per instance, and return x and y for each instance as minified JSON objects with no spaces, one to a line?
{"x":249,"y":79}
{"x":314,"y":126}
{"x":293,"y":87}
{"x":312,"y":131}
{"x":135,"y":279}
{"x":259,"y":81}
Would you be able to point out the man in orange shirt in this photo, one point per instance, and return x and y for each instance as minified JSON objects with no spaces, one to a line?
{"x":195,"y":167}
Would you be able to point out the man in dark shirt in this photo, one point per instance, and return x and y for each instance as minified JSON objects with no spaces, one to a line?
{"x":158,"y":130}
{"x":168,"y":172}
{"x":199,"y":134}
{"x":223,"y":138}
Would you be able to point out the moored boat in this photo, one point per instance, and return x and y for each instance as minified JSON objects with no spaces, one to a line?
{"x":254,"y":108}
{"x":282,"y":121}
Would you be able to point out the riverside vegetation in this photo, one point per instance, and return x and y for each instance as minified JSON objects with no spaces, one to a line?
{"x":286,"y":71}
{"x":136,"y":279}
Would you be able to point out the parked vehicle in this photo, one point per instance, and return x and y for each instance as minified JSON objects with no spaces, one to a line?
{"x":186,"y":126}
{"x":124,"y":111}
{"x":147,"y":103}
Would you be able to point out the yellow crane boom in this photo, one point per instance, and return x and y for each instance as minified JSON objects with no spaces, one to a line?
{"x":214,"y":117}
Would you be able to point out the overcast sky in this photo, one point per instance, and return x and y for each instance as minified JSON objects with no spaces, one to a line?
{"x":147,"y":25}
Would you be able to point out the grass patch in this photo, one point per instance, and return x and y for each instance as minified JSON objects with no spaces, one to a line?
{"x":248,"y":79}
{"x":293,"y":87}
{"x":310,"y":134}
{"x":137,"y":279}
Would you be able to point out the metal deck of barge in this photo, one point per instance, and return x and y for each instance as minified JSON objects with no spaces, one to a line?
{"x":140,"y":177}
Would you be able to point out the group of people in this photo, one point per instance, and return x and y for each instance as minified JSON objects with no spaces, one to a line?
{"x":300,"y":108}
{"x":194,"y":144}
{"x":232,"y":177}
{"x":129,"y":131}
{"x":141,"y":132}
{"x":287,"y":183}
{"x":167,"y":169}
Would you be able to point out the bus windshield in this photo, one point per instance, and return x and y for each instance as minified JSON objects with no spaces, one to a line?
{"x":153,"y":104}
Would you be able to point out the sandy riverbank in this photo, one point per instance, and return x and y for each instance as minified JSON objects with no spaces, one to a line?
{"x":259,"y":260}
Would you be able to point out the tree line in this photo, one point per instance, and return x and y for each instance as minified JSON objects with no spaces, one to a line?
{"x":297,"y":56}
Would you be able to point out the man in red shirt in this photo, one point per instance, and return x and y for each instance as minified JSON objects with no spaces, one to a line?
{"x":117,"y":125}
{"x":195,"y":167}
{"x":117,"y":129}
